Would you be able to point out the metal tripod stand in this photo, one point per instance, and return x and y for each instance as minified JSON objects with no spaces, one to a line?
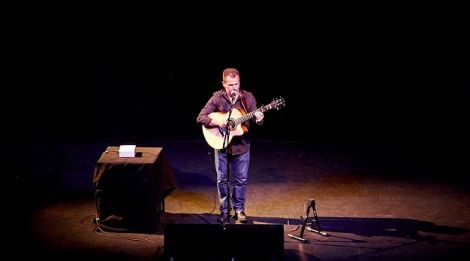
{"x":311,"y":228}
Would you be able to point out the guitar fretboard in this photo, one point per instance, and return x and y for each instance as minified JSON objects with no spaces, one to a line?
{"x":251,"y":115}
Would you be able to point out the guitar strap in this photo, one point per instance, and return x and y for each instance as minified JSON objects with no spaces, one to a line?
{"x":243,"y":104}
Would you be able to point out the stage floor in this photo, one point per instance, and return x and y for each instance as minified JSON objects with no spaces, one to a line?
{"x":374,"y":204}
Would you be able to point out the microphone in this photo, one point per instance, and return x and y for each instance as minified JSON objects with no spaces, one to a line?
{"x":234,"y":95}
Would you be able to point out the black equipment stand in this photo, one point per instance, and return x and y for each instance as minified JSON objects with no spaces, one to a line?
{"x":310,"y":206}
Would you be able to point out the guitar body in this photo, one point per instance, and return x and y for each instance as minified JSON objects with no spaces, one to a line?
{"x":215,"y":136}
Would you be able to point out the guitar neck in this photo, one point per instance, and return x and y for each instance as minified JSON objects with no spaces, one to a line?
{"x":275,"y":104}
{"x":245,"y":117}
{"x":252,"y":114}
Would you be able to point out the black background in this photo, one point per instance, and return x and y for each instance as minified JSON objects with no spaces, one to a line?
{"x":368,"y":74}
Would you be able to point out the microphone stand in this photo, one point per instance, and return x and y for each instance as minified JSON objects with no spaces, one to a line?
{"x":226,"y":146}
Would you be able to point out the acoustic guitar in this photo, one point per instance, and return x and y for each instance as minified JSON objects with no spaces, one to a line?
{"x":217,"y":138}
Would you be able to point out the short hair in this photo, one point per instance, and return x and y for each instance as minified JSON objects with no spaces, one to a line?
{"x":232,"y":72}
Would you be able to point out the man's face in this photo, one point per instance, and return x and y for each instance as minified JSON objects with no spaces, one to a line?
{"x":231,"y":84}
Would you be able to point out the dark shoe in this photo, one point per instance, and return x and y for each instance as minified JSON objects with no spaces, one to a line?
{"x":241,"y":216}
{"x":223,"y":218}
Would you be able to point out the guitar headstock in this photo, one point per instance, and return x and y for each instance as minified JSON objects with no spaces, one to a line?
{"x":278,"y":103}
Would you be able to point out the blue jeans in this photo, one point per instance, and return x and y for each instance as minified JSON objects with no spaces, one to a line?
{"x":239,"y":165}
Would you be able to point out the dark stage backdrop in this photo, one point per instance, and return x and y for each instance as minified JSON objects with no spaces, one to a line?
{"x":371,"y":74}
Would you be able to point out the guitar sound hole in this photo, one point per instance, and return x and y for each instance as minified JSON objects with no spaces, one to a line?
{"x":231,"y":125}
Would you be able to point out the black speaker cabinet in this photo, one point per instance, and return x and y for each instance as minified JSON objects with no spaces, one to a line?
{"x":217,"y":242}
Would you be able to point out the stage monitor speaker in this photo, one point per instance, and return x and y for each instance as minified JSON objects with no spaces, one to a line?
{"x":217,"y":242}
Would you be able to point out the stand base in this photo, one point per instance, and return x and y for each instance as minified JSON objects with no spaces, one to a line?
{"x":298,"y":238}
{"x":316,"y":231}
